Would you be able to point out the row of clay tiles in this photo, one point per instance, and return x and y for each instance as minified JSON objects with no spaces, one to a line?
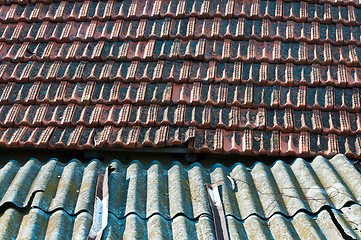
{"x":192,"y":28}
{"x":196,"y":94}
{"x":105,"y":10}
{"x":266,"y":74}
{"x":200,"y":140}
{"x":235,"y":118}
{"x":202,"y":50}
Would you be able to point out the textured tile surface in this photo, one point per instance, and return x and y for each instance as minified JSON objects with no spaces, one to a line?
{"x":232,"y":76}
{"x":282,"y":201}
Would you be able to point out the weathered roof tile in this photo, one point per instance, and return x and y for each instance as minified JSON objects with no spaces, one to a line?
{"x":267,"y":74}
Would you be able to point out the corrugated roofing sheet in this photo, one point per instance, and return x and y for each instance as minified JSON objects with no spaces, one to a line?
{"x":234,"y":76}
{"x":36,"y":224}
{"x":46,"y":199}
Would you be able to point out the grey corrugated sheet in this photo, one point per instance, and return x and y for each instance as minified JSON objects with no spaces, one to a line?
{"x":37,"y":224}
{"x":176,"y":197}
{"x":261,"y":190}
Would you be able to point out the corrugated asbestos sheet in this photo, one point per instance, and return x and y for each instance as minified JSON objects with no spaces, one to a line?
{"x":317,"y":200}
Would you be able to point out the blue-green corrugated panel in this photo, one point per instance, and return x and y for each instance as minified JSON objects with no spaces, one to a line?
{"x":143,"y":192}
{"x":260,"y":190}
{"x":36,"y":224}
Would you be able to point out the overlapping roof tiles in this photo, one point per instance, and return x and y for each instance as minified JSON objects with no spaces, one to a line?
{"x":302,"y":200}
{"x":248,"y":77}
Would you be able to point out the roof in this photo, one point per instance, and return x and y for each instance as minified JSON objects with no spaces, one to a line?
{"x":281,"y":201}
{"x":235,"y":76}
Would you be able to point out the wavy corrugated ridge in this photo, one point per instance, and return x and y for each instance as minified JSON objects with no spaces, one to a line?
{"x":35,"y":224}
{"x":177,"y":190}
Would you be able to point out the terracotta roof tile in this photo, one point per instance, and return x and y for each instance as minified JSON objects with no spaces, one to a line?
{"x":209,"y":50}
{"x":217,"y":141}
{"x":310,"y":32}
{"x":249,"y":77}
{"x":341,"y":123}
{"x":324,"y":98}
{"x":340,"y":10}
{"x":185,"y":71}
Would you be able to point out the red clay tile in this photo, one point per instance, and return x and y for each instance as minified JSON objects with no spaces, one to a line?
{"x":23,"y":93}
{"x":136,"y":115}
{"x":354,"y":77}
{"x":5,"y":90}
{"x":74,"y":137}
{"x":219,"y":118}
{"x":66,"y":137}
{"x":294,"y":144}
{"x":198,"y":116}
{"x":14,"y":138}
{"x":308,"y":121}
{"x":355,"y":123}
{"x":325,"y":145}
{"x":86,"y":139}
{"x":166,"y":115}
{"x":101,"y":136}
{"x":158,"y":28}
{"x":141,"y":50}
{"x":181,"y":93}
{"x":28,"y":137}
{"x":215,"y":95}
{"x":42,"y":136}
{"x":233,"y":142}
{"x":115,"y":115}
{"x":228,"y":72}
{"x":247,"y":141}
{"x":241,"y":95}
{"x":73,"y":93}
{"x":51,"y":92}
{"x":255,"y":142}
{"x":25,"y":115}
{"x":335,"y":122}
{"x":293,"y":97}
{"x":320,"y":98}
{"x":182,"y":28}
{"x":131,"y":137}
{"x":335,"y":12}
{"x":280,"y":120}
{"x":252,"y":119}
{"x":154,"y":137}
{"x":349,"y":145}
{"x":4,"y":9}
{"x":266,"y":143}
{"x":159,"y":93}
{"x":209,"y":141}
{"x":88,"y":116}
{"x":180,"y":136}
{"x":3,"y":69}
{"x":4,"y":135}
{"x":347,"y":99}
{"x":287,"y":67}
{"x":8,"y":114}
{"x":61,"y":115}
